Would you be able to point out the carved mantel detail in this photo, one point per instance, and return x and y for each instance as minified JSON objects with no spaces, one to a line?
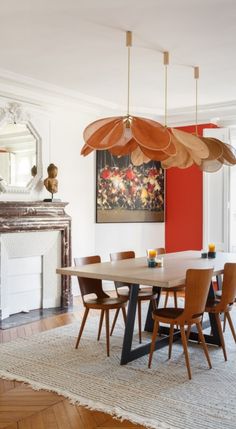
{"x":23,"y":216}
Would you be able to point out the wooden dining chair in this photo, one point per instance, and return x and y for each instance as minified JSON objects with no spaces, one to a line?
{"x":175,"y":289}
{"x":123,"y":290}
{"x":225,"y":303}
{"x":196,"y":292}
{"x":102,"y":301}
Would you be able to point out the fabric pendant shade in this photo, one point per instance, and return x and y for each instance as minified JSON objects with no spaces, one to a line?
{"x":145,"y":139}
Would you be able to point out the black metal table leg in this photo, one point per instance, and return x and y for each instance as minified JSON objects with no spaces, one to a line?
{"x":129,"y":326}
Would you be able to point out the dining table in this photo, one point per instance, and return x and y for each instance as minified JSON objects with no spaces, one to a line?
{"x":135,"y":272}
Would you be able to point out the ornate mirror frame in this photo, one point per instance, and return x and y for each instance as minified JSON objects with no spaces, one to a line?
{"x":13,"y":113}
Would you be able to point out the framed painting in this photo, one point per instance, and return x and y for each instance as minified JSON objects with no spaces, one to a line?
{"x":128,"y":193}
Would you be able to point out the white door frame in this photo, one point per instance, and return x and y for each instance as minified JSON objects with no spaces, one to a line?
{"x":216,"y":230}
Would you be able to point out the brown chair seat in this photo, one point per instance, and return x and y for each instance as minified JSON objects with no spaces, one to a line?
{"x":168,"y":313}
{"x":106,"y":302}
{"x":143,"y":294}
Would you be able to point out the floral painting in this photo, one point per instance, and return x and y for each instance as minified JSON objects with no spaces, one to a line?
{"x":128,"y":193}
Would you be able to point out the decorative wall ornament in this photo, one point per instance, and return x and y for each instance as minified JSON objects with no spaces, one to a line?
{"x":13,"y":113}
{"x":145,"y":139}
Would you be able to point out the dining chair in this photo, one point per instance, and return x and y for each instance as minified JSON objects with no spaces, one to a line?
{"x":101,"y":301}
{"x":196,"y":291}
{"x":224,"y":303}
{"x":123,"y":290}
{"x":175,"y":289}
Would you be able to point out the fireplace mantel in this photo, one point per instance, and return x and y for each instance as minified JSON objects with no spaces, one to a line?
{"x":33,"y":216}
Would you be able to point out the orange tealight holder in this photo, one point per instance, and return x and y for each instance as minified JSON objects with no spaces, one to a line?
{"x":211,"y":250}
{"x":152,"y":253}
{"x":151,"y":258}
{"x":211,"y":247}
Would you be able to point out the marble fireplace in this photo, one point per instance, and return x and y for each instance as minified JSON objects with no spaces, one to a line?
{"x":35,"y":238}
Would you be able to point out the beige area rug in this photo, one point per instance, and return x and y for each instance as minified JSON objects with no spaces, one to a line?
{"x":162,"y":397}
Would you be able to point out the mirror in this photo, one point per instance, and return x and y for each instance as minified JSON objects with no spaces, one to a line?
{"x":20,"y":166}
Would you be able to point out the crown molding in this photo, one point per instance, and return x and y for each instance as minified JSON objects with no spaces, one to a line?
{"x":46,"y":96}
{"x":217,"y":113}
{"x":41,"y":94}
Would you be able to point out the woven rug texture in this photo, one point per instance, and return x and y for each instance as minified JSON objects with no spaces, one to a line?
{"x":160,"y":398}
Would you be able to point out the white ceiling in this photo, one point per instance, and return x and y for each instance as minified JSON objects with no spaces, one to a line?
{"x":80,"y":45}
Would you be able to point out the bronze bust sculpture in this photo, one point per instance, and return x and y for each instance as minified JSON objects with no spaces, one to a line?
{"x":51,"y":183}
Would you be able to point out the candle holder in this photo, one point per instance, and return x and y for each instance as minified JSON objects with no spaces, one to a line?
{"x":211,"y":255}
{"x":151,"y":258}
{"x":211,"y":251}
{"x":152,"y":262}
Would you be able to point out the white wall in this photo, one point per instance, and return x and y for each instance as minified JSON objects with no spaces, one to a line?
{"x":232,"y":234}
{"x":129,"y":236}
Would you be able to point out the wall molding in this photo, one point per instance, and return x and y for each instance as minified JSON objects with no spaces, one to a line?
{"x":43,"y":95}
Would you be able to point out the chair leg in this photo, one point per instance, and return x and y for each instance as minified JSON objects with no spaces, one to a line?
{"x":124,"y":314}
{"x":107,"y":332}
{"x":114,"y":320}
{"x":224,"y":322}
{"x":171,"y":339}
{"x":100,"y":324}
{"x":152,"y":347}
{"x":185,"y":347}
{"x":202,"y":338}
{"x":82,"y":326}
{"x":222,"y":341}
{"x":227,"y":315}
{"x":140,"y":321}
{"x":166,"y":299}
{"x":175,"y":299}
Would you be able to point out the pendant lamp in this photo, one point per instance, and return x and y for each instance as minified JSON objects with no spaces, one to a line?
{"x":123,"y":135}
{"x":145,"y":139}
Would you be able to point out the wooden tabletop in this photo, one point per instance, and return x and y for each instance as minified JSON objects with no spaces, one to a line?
{"x":136,"y":270}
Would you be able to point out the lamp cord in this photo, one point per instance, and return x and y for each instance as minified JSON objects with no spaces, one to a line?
{"x":196,"y":110}
{"x":166,"y":88}
{"x":128,"y":86}
{"x":128,"y":44}
{"x":166,"y":63}
{"x":196,"y":77}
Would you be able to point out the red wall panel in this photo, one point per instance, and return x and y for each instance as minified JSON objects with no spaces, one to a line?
{"x":184,"y":205}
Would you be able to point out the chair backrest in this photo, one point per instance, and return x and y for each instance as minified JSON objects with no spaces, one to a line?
{"x":228,"y":287}
{"x":197,"y":287}
{"x":88,"y":286}
{"x":118,"y":256}
{"x":160,"y":250}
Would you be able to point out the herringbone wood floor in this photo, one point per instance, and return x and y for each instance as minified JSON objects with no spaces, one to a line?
{"x":24,"y":408}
